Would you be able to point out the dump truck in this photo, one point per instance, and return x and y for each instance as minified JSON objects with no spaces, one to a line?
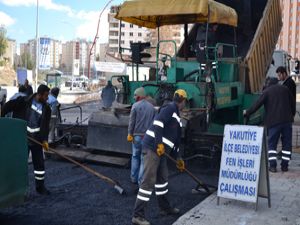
{"x":219,"y":84}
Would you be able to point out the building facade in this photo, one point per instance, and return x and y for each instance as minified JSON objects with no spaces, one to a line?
{"x":77,"y":52}
{"x":289,"y":39}
{"x":55,"y":51}
{"x":129,"y":33}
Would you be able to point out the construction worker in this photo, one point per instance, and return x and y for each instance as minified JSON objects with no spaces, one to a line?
{"x":28,"y":87}
{"x":141,"y":117}
{"x":21,"y":92}
{"x":279,"y":113}
{"x":163,"y":135}
{"x":287,"y":81}
{"x":37,"y":113}
{"x":108,"y":95}
{"x":54,"y":104}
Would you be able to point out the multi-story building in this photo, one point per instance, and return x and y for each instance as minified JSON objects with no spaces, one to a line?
{"x":76,"y":51}
{"x":55,"y":54}
{"x":10,"y":51}
{"x":24,"y":48}
{"x":129,"y":33}
{"x":289,"y":39}
{"x":55,"y":51}
{"x":174,"y":33}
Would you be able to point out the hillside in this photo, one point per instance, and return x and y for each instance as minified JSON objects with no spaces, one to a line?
{"x":7,"y":76}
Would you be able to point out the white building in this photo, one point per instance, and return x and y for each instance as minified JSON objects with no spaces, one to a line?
{"x":55,"y":51}
{"x":129,"y":33}
{"x":77,"y":51}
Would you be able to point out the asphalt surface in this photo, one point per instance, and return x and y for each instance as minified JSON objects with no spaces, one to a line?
{"x":78,"y":198}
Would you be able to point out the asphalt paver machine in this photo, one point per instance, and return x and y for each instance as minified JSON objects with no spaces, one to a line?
{"x":221,"y":77}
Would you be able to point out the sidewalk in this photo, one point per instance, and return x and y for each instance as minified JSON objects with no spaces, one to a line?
{"x":285,"y":201}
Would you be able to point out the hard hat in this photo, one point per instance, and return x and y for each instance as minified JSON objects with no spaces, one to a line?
{"x":181,"y":93}
{"x":140,"y":92}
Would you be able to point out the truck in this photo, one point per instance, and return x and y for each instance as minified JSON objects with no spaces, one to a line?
{"x":219,"y":86}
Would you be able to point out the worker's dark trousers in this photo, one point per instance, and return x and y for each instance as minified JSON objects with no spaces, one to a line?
{"x":155,"y":176}
{"x":274,"y":132}
{"x":38,"y":163}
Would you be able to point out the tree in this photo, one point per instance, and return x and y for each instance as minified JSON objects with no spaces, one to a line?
{"x":3,"y":41}
{"x":26,"y":61}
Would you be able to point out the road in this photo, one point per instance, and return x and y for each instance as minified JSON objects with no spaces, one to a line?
{"x":79,"y":198}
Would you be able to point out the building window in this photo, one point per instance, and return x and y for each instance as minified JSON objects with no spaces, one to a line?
{"x":122,"y":34}
{"x":131,"y":25}
{"x":140,"y":34}
{"x":122,"y":42}
{"x":122,"y":24}
{"x":131,"y":34}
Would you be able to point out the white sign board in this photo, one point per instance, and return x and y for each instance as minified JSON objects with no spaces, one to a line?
{"x":110,"y":67}
{"x":75,"y":70}
{"x":240,"y":163}
{"x":44,"y":57}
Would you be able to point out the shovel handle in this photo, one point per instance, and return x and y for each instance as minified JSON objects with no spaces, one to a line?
{"x":107,"y":179}
{"x":189,"y":173}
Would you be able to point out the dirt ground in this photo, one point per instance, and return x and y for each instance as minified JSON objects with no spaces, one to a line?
{"x":7,"y":76}
{"x":79,"y":198}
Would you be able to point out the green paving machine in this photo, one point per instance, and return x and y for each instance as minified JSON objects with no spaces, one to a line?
{"x":221,"y":64}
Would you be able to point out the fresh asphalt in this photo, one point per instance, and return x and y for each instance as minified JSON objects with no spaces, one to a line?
{"x":78,"y":198}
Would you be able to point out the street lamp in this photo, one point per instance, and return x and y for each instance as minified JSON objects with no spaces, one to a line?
{"x":96,"y":37}
{"x":37,"y":45}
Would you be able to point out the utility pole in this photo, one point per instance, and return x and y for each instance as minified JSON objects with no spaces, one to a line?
{"x":95,"y":39}
{"x":37,"y":45}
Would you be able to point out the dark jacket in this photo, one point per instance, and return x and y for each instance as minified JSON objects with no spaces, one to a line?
{"x":291,"y":85}
{"x":21,"y":107}
{"x":29,"y":90}
{"x":278,"y":103}
{"x":165,"y":129}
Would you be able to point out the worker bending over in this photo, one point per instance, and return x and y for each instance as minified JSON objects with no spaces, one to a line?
{"x":163,"y":135}
{"x":37,"y":113}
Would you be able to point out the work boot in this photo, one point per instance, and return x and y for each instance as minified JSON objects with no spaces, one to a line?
{"x":140,"y":221}
{"x":170,"y":211}
{"x":273,"y":169}
{"x":42,"y":190}
{"x":284,"y":169}
{"x":40,"y":187}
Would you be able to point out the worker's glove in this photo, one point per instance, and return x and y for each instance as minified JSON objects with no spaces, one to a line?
{"x":45,"y":146}
{"x":245,"y":113}
{"x":160,"y":149}
{"x":246,"y":117}
{"x":180,"y":165}
{"x":129,"y":138}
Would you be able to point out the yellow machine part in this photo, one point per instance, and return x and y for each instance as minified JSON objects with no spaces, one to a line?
{"x":156,"y":13}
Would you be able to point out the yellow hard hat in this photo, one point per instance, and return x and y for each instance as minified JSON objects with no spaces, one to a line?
{"x":181,"y":93}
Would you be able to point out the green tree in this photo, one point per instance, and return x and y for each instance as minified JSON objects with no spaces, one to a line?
{"x":3,"y":41}
{"x":26,"y":61}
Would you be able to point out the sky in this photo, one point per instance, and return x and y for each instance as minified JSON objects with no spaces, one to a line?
{"x":59,"y":19}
